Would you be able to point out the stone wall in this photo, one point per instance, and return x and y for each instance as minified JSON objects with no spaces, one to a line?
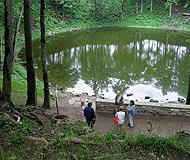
{"x":162,"y":109}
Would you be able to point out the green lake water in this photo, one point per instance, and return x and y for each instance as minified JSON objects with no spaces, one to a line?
{"x":101,"y":61}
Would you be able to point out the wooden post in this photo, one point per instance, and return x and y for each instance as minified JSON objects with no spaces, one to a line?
{"x":57,"y":103}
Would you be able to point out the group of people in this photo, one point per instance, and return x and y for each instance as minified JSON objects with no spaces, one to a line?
{"x":90,"y":116}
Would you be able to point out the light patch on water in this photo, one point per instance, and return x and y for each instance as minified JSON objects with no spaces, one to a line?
{"x":139,"y":92}
{"x":80,"y":87}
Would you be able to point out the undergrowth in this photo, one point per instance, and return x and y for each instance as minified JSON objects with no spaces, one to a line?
{"x":91,"y":145}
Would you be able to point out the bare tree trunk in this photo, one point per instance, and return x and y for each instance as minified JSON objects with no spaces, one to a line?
{"x":94,"y":12}
{"x":8,"y":60}
{"x":1,"y":40}
{"x":0,"y":49}
{"x":137,"y":8}
{"x":17,"y":29}
{"x":57,"y":103}
{"x":46,"y":103}
{"x":151,"y":3}
{"x":16,"y":35}
{"x":170,"y":14}
{"x":141,"y":6}
{"x":188,"y":93}
{"x":31,"y":77}
{"x":122,"y":10}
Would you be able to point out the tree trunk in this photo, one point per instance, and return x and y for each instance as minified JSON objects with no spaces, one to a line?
{"x":141,"y":6}
{"x":122,"y":10}
{"x":31,"y":77}
{"x":94,"y":12}
{"x":188,"y":93}
{"x":46,"y":103}
{"x":8,"y":60}
{"x":0,"y":49}
{"x":137,"y":8}
{"x":170,"y":14}
{"x":17,"y":29}
{"x":151,"y":3}
{"x":16,"y":35}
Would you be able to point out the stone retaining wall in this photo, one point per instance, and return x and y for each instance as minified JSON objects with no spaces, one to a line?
{"x":162,"y":109}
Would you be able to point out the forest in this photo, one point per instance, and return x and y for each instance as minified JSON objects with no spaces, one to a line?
{"x":61,"y":15}
{"x":21,"y":22}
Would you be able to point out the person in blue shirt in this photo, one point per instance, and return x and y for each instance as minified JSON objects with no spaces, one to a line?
{"x":90,"y":115}
{"x":130,"y":108}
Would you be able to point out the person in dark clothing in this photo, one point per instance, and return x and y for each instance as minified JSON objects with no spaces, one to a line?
{"x":118,"y":102}
{"x":90,"y":115}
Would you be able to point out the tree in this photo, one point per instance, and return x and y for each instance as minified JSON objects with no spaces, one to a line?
{"x":137,"y":8}
{"x":0,"y":49}
{"x":151,"y":3}
{"x":31,"y":77}
{"x":16,"y":35}
{"x":188,"y":93}
{"x":121,"y":10}
{"x":141,"y":6}
{"x":17,"y":29}
{"x":8,"y":60}
{"x":46,"y":103}
{"x":169,"y":4}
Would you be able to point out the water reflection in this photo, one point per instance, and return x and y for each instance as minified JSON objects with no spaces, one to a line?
{"x":149,"y":51}
{"x":107,"y":60}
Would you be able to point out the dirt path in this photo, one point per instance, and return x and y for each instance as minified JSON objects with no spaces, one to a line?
{"x":153,"y":125}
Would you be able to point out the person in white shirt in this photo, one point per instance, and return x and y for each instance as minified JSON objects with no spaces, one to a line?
{"x":121,"y":118}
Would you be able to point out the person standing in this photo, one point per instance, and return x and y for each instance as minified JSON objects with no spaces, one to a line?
{"x":118,"y":102}
{"x":130,"y":108}
{"x":90,"y":115}
{"x":82,"y":111}
{"x":121,"y":118}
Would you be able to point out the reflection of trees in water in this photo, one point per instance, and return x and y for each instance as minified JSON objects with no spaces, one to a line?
{"x":146,"y":61}
{"x":118,"y":58}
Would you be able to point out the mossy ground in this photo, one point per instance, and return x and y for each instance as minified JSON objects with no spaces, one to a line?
{"x":51,"y":143}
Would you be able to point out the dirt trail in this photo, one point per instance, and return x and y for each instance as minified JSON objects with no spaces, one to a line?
{"x":153,"y":125}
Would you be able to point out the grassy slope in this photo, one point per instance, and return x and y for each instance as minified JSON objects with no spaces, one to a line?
{"x":89,"y":144}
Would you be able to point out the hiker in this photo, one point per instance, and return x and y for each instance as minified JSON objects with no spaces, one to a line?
{"x":121,"y":118}
{"x":118,"y":102}
{"x":130,"y":108}
{"x":82,"y":111}
{"x":90,"y":115}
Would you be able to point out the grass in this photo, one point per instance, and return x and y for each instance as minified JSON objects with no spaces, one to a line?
{"x":96,"y":145}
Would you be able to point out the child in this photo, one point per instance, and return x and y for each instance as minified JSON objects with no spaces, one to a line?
{"x":121,"y":118}
{"x":130,"y":108}
{"x":82,"y":111}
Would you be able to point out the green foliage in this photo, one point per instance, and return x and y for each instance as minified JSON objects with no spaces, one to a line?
{"x":109,"y":136}
{"x":171,"y":2}
{"x":28,"y":125}
{"x":151,"y":144}
{"x":16,"y":137}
